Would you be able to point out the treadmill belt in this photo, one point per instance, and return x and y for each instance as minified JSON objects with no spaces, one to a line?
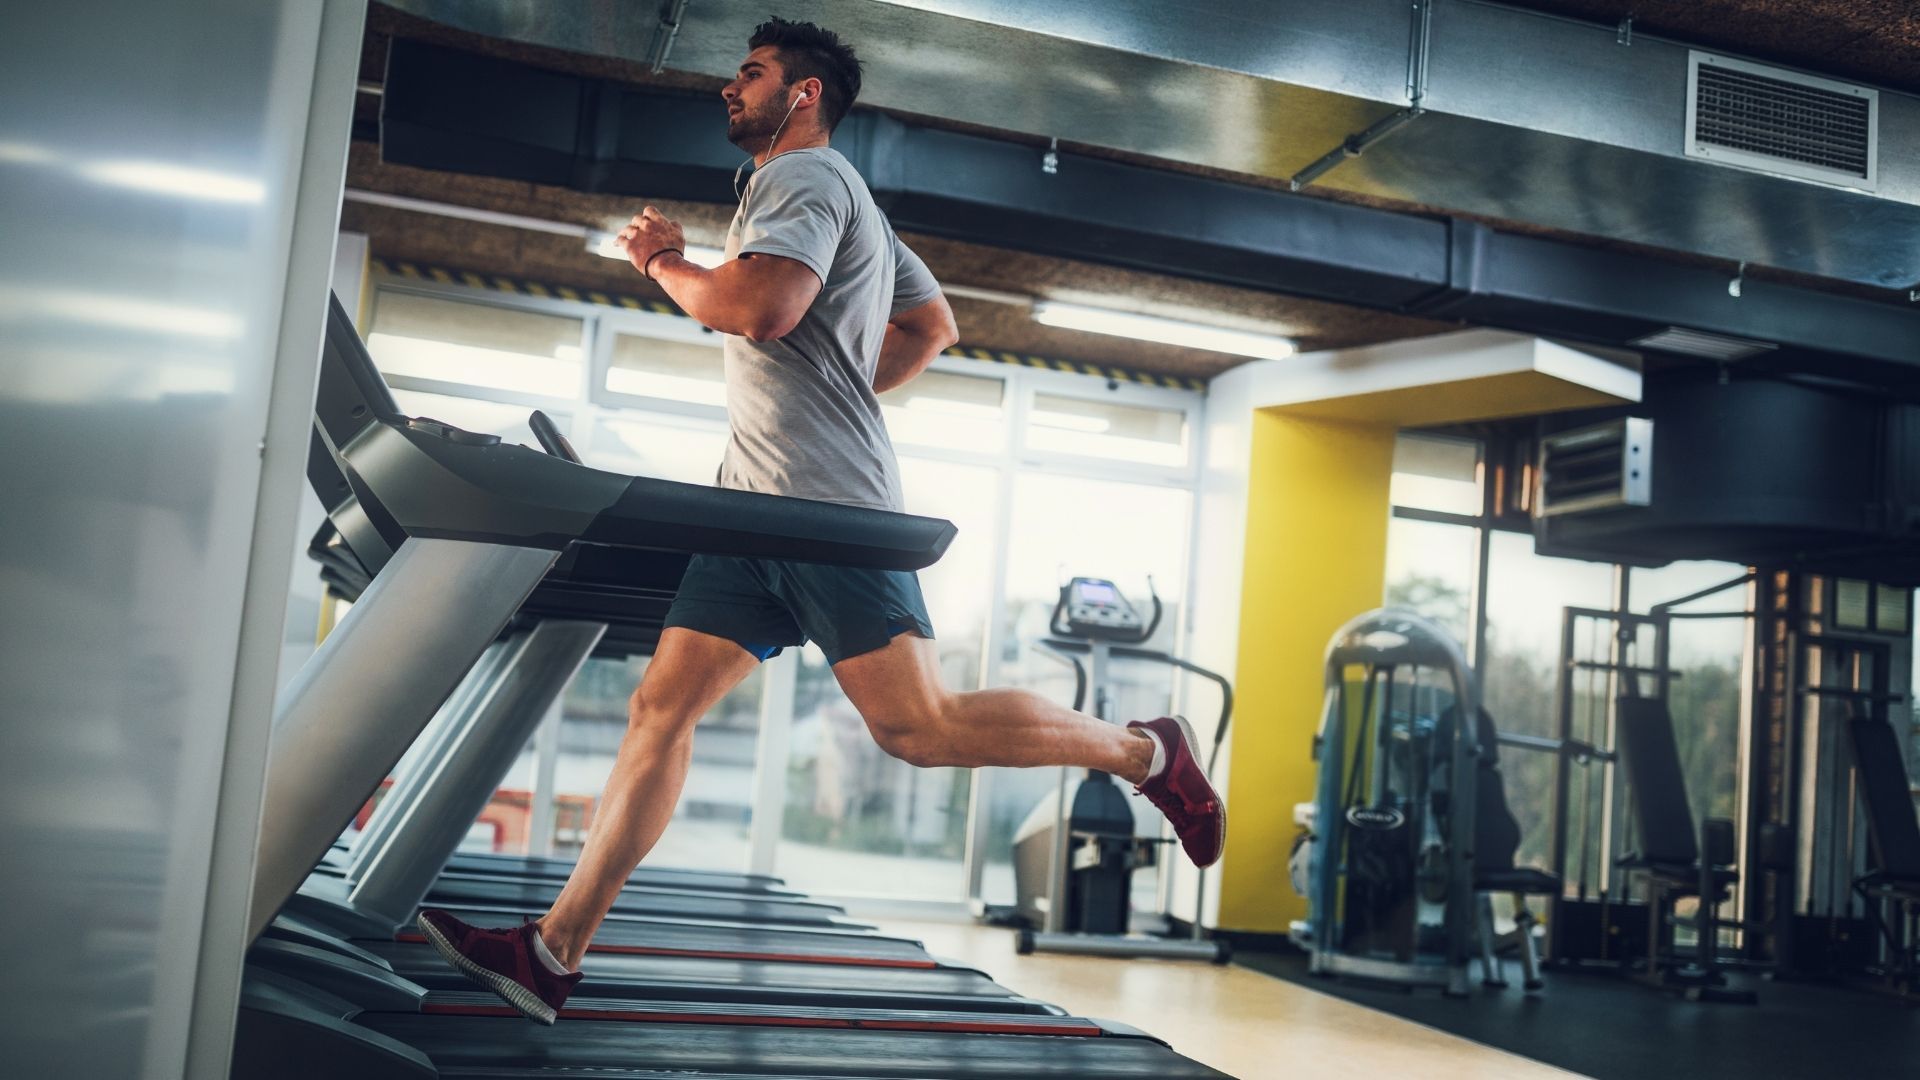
{"x":448,"y":892}
{"x":663,"y":938}
{"x":422,"y":963}
{"x":479,"y":1047}
{"x":536,"y":866}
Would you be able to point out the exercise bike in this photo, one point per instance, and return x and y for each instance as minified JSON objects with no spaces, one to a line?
{"x":1075,"y":854}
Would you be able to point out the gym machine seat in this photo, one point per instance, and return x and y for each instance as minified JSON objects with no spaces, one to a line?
{"x":1496,"y":842}
{"x":1894,"y":832}
{"x":1677,"y":862}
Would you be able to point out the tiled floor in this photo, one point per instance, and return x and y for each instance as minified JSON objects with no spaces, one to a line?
{"x":1236,"y":1020}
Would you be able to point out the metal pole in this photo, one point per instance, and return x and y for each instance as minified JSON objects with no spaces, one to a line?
{"x":1056,"y":922}
{"x":366,"y":693}
{"x":1562,"y":781}
{"x":771,"y":752}
{"x":446,"y":728}
{"x":546,"y":769}
{"x":400,"y":875}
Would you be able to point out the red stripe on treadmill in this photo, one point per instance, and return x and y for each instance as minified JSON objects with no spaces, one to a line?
{"x":715,"y":954}
{"x":1079,"y":1029}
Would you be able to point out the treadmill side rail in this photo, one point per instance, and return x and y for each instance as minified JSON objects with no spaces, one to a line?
{"x":398,"y":877}
{"x":366,"y":694}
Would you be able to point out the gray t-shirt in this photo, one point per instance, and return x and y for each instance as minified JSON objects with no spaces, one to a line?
{"x":804,"y":416}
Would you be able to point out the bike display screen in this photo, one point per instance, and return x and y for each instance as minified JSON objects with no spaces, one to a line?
{"x":1098,"y":592}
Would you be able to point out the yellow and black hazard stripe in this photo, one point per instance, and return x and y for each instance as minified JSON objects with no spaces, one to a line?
{"x":409,"y":271}
{"x":1078,"y":367}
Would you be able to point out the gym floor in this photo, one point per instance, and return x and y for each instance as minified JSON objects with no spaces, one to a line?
{"x":1615,"y":1029}
{"x":1235,"y":1019}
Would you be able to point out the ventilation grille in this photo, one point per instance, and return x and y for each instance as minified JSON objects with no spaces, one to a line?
{"x":1596,"y":468}
{"x":1780,"y":121}
{"x":1721,"y":347}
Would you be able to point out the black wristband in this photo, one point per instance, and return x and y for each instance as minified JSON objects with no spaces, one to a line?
{"x":647,"y":267}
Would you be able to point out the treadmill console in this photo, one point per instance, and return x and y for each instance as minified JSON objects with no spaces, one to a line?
{"x":1095,"y":608}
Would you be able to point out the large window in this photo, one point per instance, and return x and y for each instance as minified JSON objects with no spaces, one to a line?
{"x":670,"y":448}
{"x":1433,"y":560}
{"x":857,"y":819}
{"x":1437,"y":474}
{"x":1044,"y":473}
{"x":1519,"y":676}
{"x":1707,"y":648}
{"x":710,"y":827}
{"x":1065,"y":527}
{"x":1431,"y":568}
{"x":1108,"y":429}
{"x":954,"y":412}
{"x":478,"y":345}
{"x":664,"y":358}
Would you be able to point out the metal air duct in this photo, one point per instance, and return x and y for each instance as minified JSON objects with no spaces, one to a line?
{"x":1493,"y":111}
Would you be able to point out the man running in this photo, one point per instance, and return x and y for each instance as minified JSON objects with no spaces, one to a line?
{"x":822,"y":308}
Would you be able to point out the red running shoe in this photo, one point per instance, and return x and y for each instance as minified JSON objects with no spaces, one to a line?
{"x":1182,"y":791}
{"x":503,"y":961}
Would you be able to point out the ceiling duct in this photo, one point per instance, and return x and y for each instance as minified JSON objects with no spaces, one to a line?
{"x":1760,"y":472}
{"x":1508,"y":115}
{"x":1781,"y":121}
{"x":1717,"y":347}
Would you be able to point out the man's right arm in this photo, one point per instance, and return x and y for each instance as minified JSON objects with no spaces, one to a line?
{"x":914,"y":337}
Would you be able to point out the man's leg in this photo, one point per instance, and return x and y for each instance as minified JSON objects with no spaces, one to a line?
{"x":690,"y":672}
{"x":899,"y":691}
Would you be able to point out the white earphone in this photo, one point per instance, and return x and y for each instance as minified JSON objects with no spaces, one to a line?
{"x":771,"y":143}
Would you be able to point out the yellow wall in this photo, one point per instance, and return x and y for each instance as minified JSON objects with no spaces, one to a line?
{"x":1316,"y":552}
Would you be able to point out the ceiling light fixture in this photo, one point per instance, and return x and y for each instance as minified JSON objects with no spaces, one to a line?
{"x":601,"y":243}
{"x":1167,"y":331}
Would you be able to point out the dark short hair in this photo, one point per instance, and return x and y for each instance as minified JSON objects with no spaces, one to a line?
{"x":808,"y":52}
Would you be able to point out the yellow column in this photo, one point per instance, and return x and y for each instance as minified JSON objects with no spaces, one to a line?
{"x":1316,"y":551}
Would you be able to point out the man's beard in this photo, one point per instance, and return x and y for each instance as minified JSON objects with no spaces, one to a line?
{"x":754,"y":129}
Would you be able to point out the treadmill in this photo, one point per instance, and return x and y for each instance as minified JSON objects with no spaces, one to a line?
{"x":372,"y":889}
{"x":375,"y":888}
{"x":456,"y":574}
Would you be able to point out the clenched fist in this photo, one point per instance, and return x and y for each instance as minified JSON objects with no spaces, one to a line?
{"x":648,"y":234}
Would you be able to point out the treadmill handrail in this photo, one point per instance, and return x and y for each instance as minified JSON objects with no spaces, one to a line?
{"x":507,"y":494}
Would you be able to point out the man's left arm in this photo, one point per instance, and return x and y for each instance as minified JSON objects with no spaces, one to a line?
{"x":759,"y":297}
{"x":921,"y":326}
{"x":914,"y":337}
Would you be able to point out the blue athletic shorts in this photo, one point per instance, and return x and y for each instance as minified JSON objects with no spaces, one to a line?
{"x":763,"y":605}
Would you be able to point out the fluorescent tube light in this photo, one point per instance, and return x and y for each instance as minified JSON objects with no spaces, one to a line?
{"x":601,"y":243}
{"x":1167,"y":331}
